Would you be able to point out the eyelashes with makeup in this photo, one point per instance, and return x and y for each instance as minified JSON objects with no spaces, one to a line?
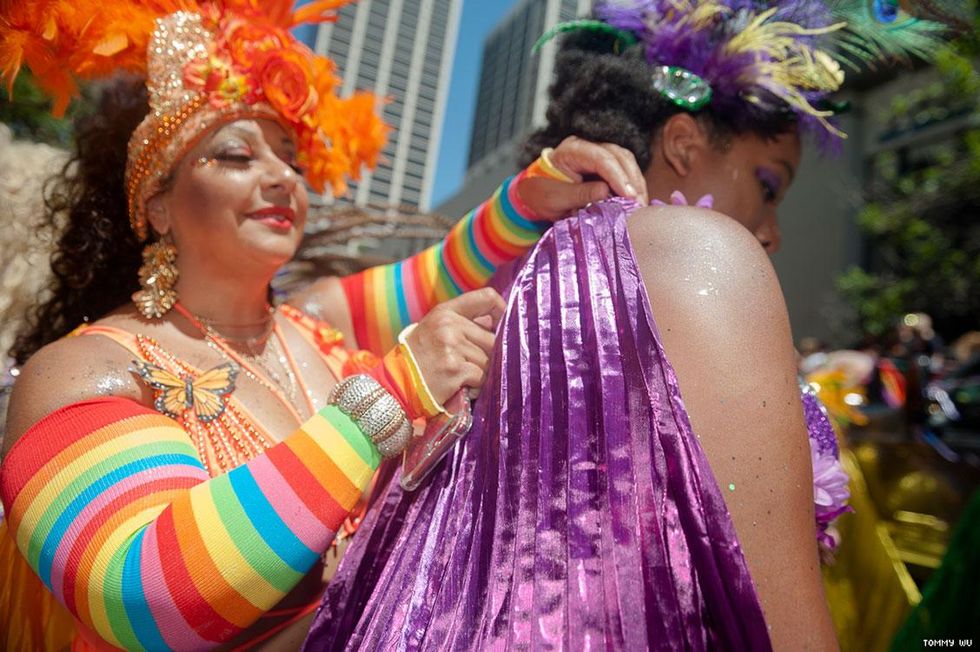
{"x":770,"y":189}
{"x":242,"y":159}
{"x":768,"y":192}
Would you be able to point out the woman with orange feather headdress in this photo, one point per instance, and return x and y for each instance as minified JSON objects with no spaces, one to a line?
{"x":176,"y":466}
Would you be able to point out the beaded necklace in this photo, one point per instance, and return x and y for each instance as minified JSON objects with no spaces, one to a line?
{"x":218,"y":343}
{"x":235,"y":437}
{"x":332,"y":338}
{"x":255,"y":348}
{"x":222,"y":444}
{"x":266,"y":345}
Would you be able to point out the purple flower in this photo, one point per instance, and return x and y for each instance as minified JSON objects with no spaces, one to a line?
{"x":830,"y":486}
{"x":828,"y":538}
{"x":677,"y":198}
{"x":831,"y":492}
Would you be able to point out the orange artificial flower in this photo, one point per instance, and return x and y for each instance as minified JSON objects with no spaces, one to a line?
{"x":287,"y":82}
{"x":360,"y":362}
{"x":218,"y":79}
{"x":247,"y":41}
{"x":196,"y":73}
{"x":328,"y":337}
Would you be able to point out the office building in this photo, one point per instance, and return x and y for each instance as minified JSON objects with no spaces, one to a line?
{"x":402,"y":50}
{"x":512,"y":95}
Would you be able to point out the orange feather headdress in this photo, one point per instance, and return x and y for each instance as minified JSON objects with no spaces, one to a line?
{"x":206,"y":62}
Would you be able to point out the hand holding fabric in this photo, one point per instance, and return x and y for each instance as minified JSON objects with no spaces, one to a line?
{"x":452,"y":343}
{"x":562,"y":180}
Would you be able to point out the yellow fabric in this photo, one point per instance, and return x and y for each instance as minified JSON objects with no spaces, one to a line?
{"x":30,"y":618}
{"x":403,"y":367}
{"x":869,"y":588}
{"x":543,"y":167}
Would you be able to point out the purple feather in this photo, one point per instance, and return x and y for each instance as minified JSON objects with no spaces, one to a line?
{"x":665,"y":41}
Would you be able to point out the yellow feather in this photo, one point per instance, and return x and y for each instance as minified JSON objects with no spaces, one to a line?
{"x":111,"y":45}
{"x":705,"y":13}
{"x":785,"y":66}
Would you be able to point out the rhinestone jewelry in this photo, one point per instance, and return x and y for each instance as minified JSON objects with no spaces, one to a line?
{"x":682,"y":87}
{"x":375,"y":411}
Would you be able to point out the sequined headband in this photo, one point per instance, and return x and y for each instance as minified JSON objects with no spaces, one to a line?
{"x":206,"y":62}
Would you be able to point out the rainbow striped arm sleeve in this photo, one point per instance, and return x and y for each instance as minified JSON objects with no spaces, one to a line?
{"x":383,"y":300}
{"x":112,"y":508}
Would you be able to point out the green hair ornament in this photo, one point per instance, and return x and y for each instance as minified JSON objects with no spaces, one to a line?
{"x":682,"y":87}
{"x":622,"y":36}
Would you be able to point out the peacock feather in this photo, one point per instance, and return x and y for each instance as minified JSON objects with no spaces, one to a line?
{"x":879,"y":31}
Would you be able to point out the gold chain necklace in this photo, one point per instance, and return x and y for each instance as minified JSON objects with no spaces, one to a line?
{"x":272,"y":352}
{"x":217,"y":343}
{"x":249,"y":342}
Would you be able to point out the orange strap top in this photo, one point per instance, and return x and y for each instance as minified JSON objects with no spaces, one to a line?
{"x":237,"y":435}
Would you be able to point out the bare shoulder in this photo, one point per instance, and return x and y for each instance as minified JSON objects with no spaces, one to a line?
{"x":706,"y":251}
{"x":713,"y":290}
{"x":324,"y":299}
{"x":719,"y":308}
{"x":69,"y":370}
{"x":724,"y":326}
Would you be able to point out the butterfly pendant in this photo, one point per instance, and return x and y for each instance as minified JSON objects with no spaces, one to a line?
{"x":175,"y":395}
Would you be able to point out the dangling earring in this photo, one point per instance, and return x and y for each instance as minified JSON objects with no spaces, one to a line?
{"x":158,"y":275}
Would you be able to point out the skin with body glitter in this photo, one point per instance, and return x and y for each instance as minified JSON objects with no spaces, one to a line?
{"x":724,"y":326}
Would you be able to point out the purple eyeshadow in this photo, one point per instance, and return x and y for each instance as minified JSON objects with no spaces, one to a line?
{"x":770,"y":179}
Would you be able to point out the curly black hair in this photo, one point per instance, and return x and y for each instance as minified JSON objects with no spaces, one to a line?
{"x":97,"y":258}
{"x":602,"y":95}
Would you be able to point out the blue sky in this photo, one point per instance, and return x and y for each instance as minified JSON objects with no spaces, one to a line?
{"x":479,"y":17}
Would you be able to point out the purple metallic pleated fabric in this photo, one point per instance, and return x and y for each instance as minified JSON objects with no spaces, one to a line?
{"x":580,"y":512}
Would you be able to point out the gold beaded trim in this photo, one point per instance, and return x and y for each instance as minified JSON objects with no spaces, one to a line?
{"x":222,"y":444}
{"x":154,"y":151}
{"x":147,"y":163}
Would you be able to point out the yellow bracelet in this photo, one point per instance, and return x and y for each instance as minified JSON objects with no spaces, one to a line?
{"x":543,"y":167}
{"x":432,"y":406}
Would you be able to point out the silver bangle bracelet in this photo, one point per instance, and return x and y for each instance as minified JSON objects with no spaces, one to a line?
{"x":397,"y":442}
{"x":376,"y":412}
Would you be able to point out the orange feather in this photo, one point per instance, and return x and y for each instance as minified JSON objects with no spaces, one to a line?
{"x":315,"y":12}
{"x":65,"y":40}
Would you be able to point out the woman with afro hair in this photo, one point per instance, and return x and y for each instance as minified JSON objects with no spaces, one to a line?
{"x":639,"y":474}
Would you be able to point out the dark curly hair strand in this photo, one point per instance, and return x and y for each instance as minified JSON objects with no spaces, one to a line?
{"x":97,"y":258}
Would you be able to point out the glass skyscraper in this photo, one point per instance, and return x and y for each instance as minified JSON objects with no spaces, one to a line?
{"x":401,"y":50}
{"x":512,"y":95}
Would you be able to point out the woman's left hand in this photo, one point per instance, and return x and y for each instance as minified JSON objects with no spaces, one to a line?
{"x":619,"y":174}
